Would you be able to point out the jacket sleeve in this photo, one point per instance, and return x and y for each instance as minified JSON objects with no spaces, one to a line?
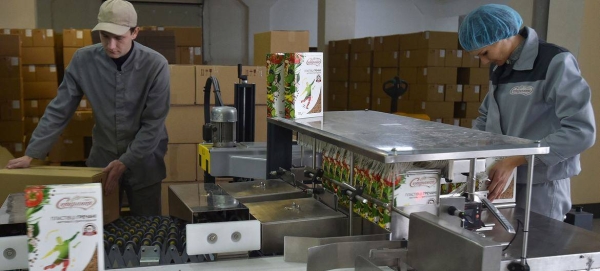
{"x":153,"y":118}
{"x":58,"y":113}
{"x":570,"y":94}
{"x":483,"y":110}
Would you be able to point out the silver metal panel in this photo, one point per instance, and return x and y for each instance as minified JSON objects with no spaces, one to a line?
{"x":362,"y":264}
{"x":342,"y":255}
{"x":296,"y":248}
{"x":188,"y":200}
{"x":431,"y":236}
{"x":262,"y":190}
{"x":15,"y":208}
{"x":281,"y":210}
{"x":376,"y":135}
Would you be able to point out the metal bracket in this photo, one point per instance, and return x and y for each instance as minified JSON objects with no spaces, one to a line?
{"x":150,"y":255}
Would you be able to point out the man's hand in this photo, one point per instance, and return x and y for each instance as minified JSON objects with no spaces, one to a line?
{"x":21,"y":162}
{"x":115,"y":169}
{"x":499,"y":174}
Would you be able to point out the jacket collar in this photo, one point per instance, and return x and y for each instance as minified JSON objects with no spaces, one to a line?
{"x":530,"y":50}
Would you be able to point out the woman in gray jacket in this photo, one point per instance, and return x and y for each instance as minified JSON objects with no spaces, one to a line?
{"x":536,"y":92}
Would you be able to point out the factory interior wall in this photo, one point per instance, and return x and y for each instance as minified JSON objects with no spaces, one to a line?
{"x":18,"y":14}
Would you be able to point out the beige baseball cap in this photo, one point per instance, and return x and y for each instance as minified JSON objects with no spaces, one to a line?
{"x":116,"y":17}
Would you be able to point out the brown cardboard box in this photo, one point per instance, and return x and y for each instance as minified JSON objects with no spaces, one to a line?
{"x":339,"y":74}
{"x":30,"y":124}
{"x":381,"y":104}
{"x":409,"y":74}
{"x":68,"y":55}
{"x":38,"y":55}
{"x":28,"y":73}
{"x":81,"y":124}
{"x":338,"y":87}
{"x":12,"y":131}
{"x":338,"y":100}
{"x":260,"y":129}
{"x":362,"y":59}
{"x":484,"y":91}
{"x":454,"y":58}
{"x":360,"y":74}
{"x":469,"y":60}
{"x":338,"y":60}
{"x":35,"y":108}
{"x":257,"y":75}
{"x":386,"y":59}
{"x":361,"y":45}
{"x":454,"y":93}
{"x":67,"y":148}
{"x":386,"y":43}
{"x":431,"y":93}
{"x":11,"y":89}
{"x":471,"y":93}
{"x":436,"y":110}
{"x":436,"y":75}
{"x":10,"y":67}
{"x":87,"y":37}
{"x":467,"y":123}
{"x":451,"y":121}
{"x":11,"y":110}
{"x":10,"y":45}
{"x":338,"y":47}
{"x":359,"y":95}
{"x":43,"y":38}
{"x":39,"y":90}
{"x":410,"y":41}
{"x":26,"y":36}
{"x":278,"y":42}
{"x":423,"y":58}
{"x":472,"y":110}
{"x":183,"y":84}
{"x":439,"y":40}
{"x":184,"y":124}
{"x":187,"y":36}
{"x":73,"y":38}
{"x":10,"y":150}
{"x":189,"y":55}
{"x":40,"y":73}
{"x":473,"y":76}
{"x":380,"y":76}
{"x":15,"y":180}
{"x":161,"y":41}
{"x":181,"y":162}
{"x":228,"y":77}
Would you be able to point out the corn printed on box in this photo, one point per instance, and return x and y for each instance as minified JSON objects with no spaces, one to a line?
{"x":64,"y":227}
{"x":295,"y":85}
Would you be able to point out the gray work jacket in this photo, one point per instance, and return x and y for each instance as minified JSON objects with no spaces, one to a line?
{"x":542,"y":96}
{"x":130,"y":107}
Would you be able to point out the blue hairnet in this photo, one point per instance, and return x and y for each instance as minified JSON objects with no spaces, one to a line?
{"x":487,"y":25}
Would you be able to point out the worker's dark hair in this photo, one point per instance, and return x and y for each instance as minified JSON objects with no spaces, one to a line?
{"x":132,"y":29}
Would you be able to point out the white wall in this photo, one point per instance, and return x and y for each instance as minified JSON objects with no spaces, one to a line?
{"x":296,"y":15}
{"x":566,"y":33}
{"x":225,"y":32}
{"x":17,"y":14}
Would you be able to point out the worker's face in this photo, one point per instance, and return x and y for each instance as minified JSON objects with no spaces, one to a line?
{"x":496,"y":53}
{"x":117,"y":46}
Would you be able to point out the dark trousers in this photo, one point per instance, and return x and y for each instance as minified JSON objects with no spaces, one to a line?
{"x":142,"y":202}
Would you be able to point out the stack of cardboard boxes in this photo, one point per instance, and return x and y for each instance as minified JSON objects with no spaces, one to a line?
{"x":189,"y":44}
{"x":361,"y":74}
{"x":338,"y":65}
{"x":11,"y":95}
{"x":386,"y":63}
{"x":72,"y":40}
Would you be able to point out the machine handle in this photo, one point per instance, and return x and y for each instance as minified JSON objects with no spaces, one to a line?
{"x":503,"y":221}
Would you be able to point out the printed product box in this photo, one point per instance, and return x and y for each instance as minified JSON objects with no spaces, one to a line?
{"x":64,"y":227}
{"x":418,"y":187}
{"x":295,"y":85}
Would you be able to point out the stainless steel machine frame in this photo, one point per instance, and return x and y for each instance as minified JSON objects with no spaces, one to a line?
{"x":391,"y":138}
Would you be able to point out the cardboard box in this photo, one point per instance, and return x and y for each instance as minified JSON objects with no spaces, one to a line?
{"x":360,"y":74}
{"x":35,"y":108}
{"x":472,"y":110}
{"x":183,"y":84}
{"x":454,"y":93}
{"x":431,"y":93}
{"x":450,"y":121}
{"x":81,"y":124}
{"x":11,"y":110}
{"x":439,"y":40}
{"x":454,"y":58}
{"x":338,"y":60}
{"x":40,"y":90}
{"x":436,"y":75}
{"x":161,"y":41}
{"x":11,"y":89}
{"x":337,"y":101}
{"x":15,"y":180}
{"x":189,"y":55}
{"x":30,"y":123}
{"x":184,"y":124}
{"x":279,"y":42}
{"x":10,"y":67}
{"x":12,"y":131}
{"x":67,"y":148}
{"x":38,"y":55}
{"x":386,"y":43}
{"x":65,"y":217}
{"x":10,"y":45}
{"x":10,"y":150}
{"x":40,"y":73}
{"x":473,"y":76}
{"x":361,"y":45}
{"x":381,"y":104}
{"x":409,"y":74}
{"x":228,"y":77}
{"x":406,"y":106}
{"x":381,"y":75}
{"x":73,"y":38}
{"x":87,"y":37}
{"x":68,"y":55}
{"x":260,"y":129}
{"x":467,"y":123}
{"x":471,"y":93}
{"x":25,"y":34}
{"x":186,"y":36}
{"x":339,"y":74}
{"x":469,"y":60}
{"x":423,"y":58}
{"x":410,"y":41}
{"x":181,"y":161}
{"x":386,"y":59}
{"x":296,"y":89}
{"x":435,"y":109}
{"x":362,"y":59}
{"x":359,"y":101}
{"x":43,"y":38}
{"x":484,"y":91}
{"x":339,"y":46}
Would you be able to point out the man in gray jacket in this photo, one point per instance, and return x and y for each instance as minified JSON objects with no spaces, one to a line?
{"x":536,"y":92}
{"x":127,"y":85}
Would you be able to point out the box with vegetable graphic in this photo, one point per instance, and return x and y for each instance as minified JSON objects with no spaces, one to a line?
{"x":64,"y":227}
{"x":295,"y":85}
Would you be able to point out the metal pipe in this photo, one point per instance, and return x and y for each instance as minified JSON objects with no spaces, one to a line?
{"x":402,"y":213}
{"x":530,"y":165}
{"x":471,"y":180}
{"x":302,"y":156}
{"x":351,"y":181}
{"x":314,"y":154}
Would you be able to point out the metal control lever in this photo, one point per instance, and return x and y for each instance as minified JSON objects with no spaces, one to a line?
{"x":503,"y":221}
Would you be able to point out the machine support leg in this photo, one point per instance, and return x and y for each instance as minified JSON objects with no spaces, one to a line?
{"x":279,"y":148}
{"x":351,"y":181}
{"x":530,"y":164}
{"x":471,"y":180}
